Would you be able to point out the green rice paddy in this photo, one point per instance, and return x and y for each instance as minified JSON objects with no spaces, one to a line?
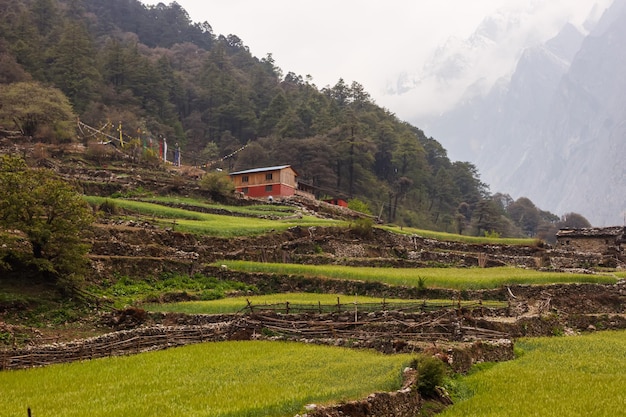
{"x":236,"y":304}
{"x":554,"y":377}
{"x":226,"y":379}
{"x":451,"y":278}
{"x":210,"y":224}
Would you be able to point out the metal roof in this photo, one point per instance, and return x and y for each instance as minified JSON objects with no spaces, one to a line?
{"x":250,"y":171}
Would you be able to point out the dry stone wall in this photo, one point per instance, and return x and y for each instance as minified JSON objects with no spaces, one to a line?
{"x":405,"y":402}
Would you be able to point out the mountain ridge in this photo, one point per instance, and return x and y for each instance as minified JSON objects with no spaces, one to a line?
{"x":552,"y":131}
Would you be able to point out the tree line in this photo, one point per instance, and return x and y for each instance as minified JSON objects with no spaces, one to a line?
{"x":157,"y":73}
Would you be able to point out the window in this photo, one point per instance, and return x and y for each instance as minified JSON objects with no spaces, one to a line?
{"x":244,"y":190}
{"x":244,"y":178}
{"x":268,"y":188}
{"x":268,"y":177}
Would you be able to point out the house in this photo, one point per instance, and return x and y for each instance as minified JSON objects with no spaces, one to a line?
{"x":276,"y":181}
{"x":602,"y":240}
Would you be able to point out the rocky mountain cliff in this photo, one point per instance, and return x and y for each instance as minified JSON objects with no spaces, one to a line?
{"x":552,"y":132}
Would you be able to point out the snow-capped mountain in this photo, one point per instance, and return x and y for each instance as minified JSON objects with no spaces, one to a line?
{"x":554,"y":130}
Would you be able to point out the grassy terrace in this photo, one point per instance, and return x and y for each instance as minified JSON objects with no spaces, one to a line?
{"x":460,"y":238}
{"x":553,"y":377}
{"x":158,"y":208}
{"x":236,"y":304}
{"x":214,"y":224}
{"x":226,"y":379}
{"x":275,"y":210}
{"x":452,"y":278}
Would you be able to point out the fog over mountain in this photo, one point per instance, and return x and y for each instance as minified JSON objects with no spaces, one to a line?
{"x":554,"y":130}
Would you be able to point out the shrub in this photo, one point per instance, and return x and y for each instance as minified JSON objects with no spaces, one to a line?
{"x":218,"y":184}
{"x":362,"y":227}
{"x":108,"y":207}
{"x":492,"y":234}
{"x":359,"y":205}
{"x":431,"y":374}
{"x":421,"y":283}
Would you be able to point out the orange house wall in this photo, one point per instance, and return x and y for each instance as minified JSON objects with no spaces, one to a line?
{"x":283,"y":183}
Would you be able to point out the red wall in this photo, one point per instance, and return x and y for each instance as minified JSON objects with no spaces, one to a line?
{"x":278,"y":190}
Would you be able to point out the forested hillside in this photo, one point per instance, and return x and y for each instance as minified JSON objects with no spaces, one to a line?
{"x":152,"y":73}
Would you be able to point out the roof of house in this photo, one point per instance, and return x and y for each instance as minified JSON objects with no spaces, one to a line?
{"x":274,"y":168}
{"x":592,"y":232}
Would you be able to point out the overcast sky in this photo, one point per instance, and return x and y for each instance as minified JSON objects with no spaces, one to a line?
{"x":377,"y":43}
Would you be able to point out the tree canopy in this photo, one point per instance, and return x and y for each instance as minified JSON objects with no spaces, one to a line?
{"x":32,"y":107}
{"x":49,"y":213}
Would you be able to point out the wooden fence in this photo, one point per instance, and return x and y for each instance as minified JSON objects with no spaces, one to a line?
{"x":421,"y":306}
{"x":369,"y":327}
{"x":113,"y":344}
{"x":443,"y":326}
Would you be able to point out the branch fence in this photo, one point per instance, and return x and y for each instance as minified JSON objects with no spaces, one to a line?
{"x":368,"y":322}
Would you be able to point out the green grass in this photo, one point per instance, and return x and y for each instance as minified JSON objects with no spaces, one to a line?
{"x":252,"y":210}
{"x":236,"y":304}
{"x":210,"y":224}
{"x":452,"y":278}
{"x":461,"y":238}
{"x":560,"y":376}
{"x":226,"y":379}
{"x":127,"y":291}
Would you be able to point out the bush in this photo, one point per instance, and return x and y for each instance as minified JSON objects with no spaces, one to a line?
{"x":218,"y":184}
{"x":431,"y":374}
{"x":358,"y":205}
{"x":108,"y":207}
{"x":362,"y":227}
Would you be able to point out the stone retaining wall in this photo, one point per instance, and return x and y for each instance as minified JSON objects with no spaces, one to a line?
{"x":405,"y":402}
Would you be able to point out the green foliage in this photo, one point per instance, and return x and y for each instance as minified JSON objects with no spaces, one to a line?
{"x":362,"y":227}
{"x":51,"y":214}
{"x":421,"y":283}
{"x":218,"y":184}
{"x":492,"y":234}
{"x":51,"y":109}
{"x":108,"y":207}
{"x":359,"y":205}
{"x":431,"y":374}
{"x":127,"y":291}
{"x":219,"y":379}
{"x":73,"y":65}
